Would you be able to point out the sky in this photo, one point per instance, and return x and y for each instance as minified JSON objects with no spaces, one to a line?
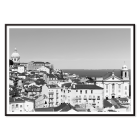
{"x":73,"y":48}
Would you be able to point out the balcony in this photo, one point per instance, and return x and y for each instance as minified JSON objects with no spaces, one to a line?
{"x":85,"y":98}
{"x":51,"y":101}
{"x":51,"y":92}
{"x":51,"y":97}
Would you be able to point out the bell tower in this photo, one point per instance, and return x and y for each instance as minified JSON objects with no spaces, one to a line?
{"x":125,"y":72}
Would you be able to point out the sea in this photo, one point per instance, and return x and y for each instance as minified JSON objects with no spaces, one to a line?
{"x":92,"y":72}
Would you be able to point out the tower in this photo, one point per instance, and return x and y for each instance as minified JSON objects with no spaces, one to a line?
{"x":15,"y":57}
{"x":125,"y":73}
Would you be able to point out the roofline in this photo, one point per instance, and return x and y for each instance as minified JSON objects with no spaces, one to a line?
{"x":114,"y":76}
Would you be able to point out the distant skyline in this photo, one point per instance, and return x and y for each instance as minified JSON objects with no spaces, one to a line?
{"x":94,"y":48}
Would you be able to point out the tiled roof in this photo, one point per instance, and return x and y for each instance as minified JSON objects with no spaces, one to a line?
{"x":16,"y":100}
{"x":86,"y":87}
{"x":107,"y":104}
{"x":123,"y":99}
{"x":67,"y":108}
{"x":64,"y":107}
{"x":61,"y":106}
{"x":66,"y":85}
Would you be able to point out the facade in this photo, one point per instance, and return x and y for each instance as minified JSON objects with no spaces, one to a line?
{"x":44,"y":68}
{"x":21,"y":68}
{"x":21,"y":105}
{"x":115,"y":86}
{"x":37,"y":65}
{"x":51,"y":96}
{"x":51,"y":79}
{"x":84,"y":94}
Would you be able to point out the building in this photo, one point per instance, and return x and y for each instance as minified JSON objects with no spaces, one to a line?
{"x":45,"y":69}
{"x":37,"y":65}
{"x":24,"y":64}
{"x":115,"y":85}
{"x":51,"y":96}
{"x":21,"y":68}
{"x":84,"y":94}
{"x":47,"y":64}
{"x":21,"y":104}
{"x":51,"y":79}
{"x":15,"y":57}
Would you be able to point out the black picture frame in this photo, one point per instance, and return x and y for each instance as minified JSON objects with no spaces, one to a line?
{"x":134,"y":56}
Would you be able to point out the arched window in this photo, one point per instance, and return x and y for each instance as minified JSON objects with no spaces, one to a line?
{"x":125,"y":74}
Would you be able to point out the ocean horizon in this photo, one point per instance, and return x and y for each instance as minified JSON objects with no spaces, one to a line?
{"x":93,"y":72}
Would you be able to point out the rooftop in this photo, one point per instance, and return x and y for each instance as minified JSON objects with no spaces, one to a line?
{"x":86,"y":87}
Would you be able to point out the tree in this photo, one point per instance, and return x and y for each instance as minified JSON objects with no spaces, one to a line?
{"x":10,"y":62}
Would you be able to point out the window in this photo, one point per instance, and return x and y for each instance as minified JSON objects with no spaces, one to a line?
{"x":125,"y":87}
{"x":20,"y":105}
{"x":16,"y":105}
{"x":119,"y":86}
{"x":91,"y":91}
{"x":76,"y":90}
{"x":113,"y":87}
{"x":85,"y":91}
{"x":106,"y":86}
{"x":106,"y":91}
{"x":98,"y":97}
{"x":20,"y":110}
{"x":81,"y":91}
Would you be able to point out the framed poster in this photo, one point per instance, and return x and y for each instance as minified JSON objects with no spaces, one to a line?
{"x":70,"y":69}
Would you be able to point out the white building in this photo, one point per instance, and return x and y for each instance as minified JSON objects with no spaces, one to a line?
{"x":21,"y":68}
{"x":53,"y":97}
{"x":44,"y":68}
{"x":85,"y":94}
{"x":115,"y":86}
{"x":21,"y":104}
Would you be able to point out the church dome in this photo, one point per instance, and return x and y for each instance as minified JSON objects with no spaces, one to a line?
{"x":15,"y":54}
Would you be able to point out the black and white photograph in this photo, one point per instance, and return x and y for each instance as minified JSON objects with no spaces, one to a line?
{"x":70,"y":69}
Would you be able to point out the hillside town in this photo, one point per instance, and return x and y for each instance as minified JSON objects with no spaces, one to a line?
{"x":38,"y":87}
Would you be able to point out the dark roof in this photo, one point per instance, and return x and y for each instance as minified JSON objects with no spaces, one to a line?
{"x":28,"y":99}
{"x":16,"y":100}
{"x":90,"y":81}
{"x":37,"y":62}
{"x":51,"y":76}
{"x":66,"y":85}
{"x":22,"y":74}
{"x":50,"y":109}
{"x":64,"y":107}
{"x":107,"y":104}
{"x":123,"y":99}
{"x":47,"y":62}
{"x":86,"y":87}
{"x":67,"y":108}
{"x":53,"y":86}
{"x":61,"y":106}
